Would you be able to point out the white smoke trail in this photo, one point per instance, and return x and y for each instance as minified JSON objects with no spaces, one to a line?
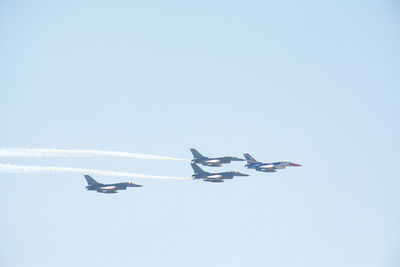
{"x":8,"y":168}
{"x":43,"y":152}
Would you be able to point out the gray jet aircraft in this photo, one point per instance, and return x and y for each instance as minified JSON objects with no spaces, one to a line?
{"x":217,"y":177}
{"x":107,"y":188}
{"x":212,"y":162}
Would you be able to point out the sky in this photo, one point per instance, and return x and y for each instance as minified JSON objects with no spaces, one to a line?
{"x":313,"y":82}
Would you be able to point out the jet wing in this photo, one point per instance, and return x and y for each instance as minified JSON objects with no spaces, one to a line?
{"x":107,"y":191}
{"x":213,"y":161}
{"x":267,"y":166}
{"x":211,"y":164}
{"x":265,"y":169}
{"x":214,"y":180}
{"x":108,"y":187}
{"x":215,"y":176}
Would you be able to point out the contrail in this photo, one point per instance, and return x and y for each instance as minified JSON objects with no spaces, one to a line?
{"x":43,"y":152}
{"x":8,"y":168}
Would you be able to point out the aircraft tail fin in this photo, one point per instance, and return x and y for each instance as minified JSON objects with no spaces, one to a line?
{"x":90,"y":180}
{"x":196,"y":154}
{"x":249,"y":158}
{"x":196,"y":168}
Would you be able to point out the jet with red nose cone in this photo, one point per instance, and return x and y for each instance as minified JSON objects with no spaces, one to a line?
{"x":107,"y":188}
{"x":214,"y":177}
{"x":212,"y":162}
{"x":267,"y":167}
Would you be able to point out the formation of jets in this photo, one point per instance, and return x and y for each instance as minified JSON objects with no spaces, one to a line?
{"x":199,"y":173}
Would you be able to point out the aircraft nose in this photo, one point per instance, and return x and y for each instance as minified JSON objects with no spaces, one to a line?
{"x":294,"y":164}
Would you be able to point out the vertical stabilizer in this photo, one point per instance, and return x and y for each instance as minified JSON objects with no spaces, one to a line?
{"x":196,"y":168}
{"x":249,"y":158}
{"x":90,"y":180}
{"x":196,"y":154}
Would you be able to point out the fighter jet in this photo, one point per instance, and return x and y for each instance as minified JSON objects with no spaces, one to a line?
{"x":211,"y":162}
{"x":267,"y":167}
{"x":217,"y":177}
{"x":107,"y":188}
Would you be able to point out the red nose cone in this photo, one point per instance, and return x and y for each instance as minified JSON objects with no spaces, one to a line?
{"x":294,"y":164}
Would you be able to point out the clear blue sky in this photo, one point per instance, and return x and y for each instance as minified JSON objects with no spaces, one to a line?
{"x":315,"y":83}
